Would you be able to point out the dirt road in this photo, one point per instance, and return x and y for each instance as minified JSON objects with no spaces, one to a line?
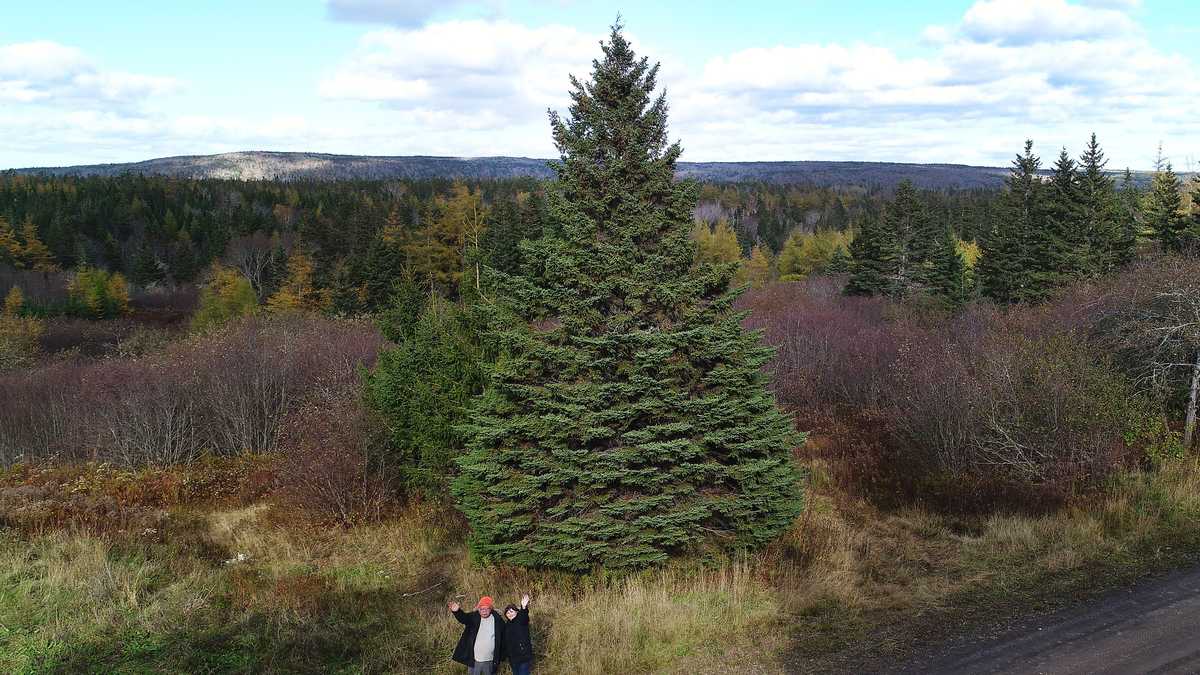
{"x":1151,"y":628}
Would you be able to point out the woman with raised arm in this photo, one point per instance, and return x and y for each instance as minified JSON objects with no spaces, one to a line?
{"x":518,"y":648}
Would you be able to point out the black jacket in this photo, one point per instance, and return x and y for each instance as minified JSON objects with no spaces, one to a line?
{"x":464,"y":653}
{"x":518,"y":648}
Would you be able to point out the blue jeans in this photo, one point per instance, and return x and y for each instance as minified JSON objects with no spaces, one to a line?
{"x":522,"y":668}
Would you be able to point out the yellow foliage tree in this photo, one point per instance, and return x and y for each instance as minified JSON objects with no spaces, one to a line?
{"x":756,"y":270}
{"x":14,"y":302}
{"x":18,"y":335}
{"x":98,"y":293}
{"x":716,"y":243}
{"x":806,"y":253}
{"x":10,"y":247}
{"x":436,"y":254}
{"x":227,"y":295}
{"x":36,"y":255}
{"x":297,"y":294}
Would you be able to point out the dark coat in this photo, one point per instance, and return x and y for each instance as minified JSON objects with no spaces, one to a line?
{"x":518,"y":648}
{"x":464,"y":653}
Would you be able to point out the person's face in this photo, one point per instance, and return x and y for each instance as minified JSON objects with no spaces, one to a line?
{"x":485,"y":612}
{"x":511,"y":614}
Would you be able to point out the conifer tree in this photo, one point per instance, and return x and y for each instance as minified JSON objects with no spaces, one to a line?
{"x":1006,"y":260}
{"x":1061,"y":249}
{"x":874,"y":260}
{"x":915,"y":233}
{"x":1129,"y":221}
{"x":947,"y":276}
{"x":35,"y":254}
{"x":1099,"y":212}
{"x":839,"y":262}
{"x":756,"y":270}
{"x":1164,"y":209}
{"x":630,"y":419}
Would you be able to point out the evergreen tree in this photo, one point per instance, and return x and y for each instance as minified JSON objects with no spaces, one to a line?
{"x":1100,"y":213}
{"x":630,"y":419}
{"x":1164,"y":209}
{"x":874,"y":260}
{"x":1060,"y":250}
{"x":1006,"y":261}
{"x":839,"y":262}
{"x":916,"y":236}
{"x":947,"y":277}
{"x":1129,"y":221}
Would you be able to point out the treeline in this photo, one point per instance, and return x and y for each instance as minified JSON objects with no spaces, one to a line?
{"x":358,"y":234}
{"x":1043,"y":233}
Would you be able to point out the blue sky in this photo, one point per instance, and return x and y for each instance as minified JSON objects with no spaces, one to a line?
{"x":951,"y":81}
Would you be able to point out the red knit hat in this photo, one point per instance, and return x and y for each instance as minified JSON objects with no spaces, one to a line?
{"x":485,"y":601}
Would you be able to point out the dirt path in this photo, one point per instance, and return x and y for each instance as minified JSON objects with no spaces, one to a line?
{"x":1150,"y":628}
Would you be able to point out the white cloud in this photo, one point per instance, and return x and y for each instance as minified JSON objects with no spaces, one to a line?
{"x":496,"y":71}
{"x":1021,"y":22}
{"x":47,"y":72}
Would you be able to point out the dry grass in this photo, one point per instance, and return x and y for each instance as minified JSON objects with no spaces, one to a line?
{"x":371,"y":598}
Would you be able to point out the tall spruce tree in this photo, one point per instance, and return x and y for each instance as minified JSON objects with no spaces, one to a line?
{"x":1007,"y":251}
{"x":874,"y":260}
{"x":630,"y":419}
{"x":1061,"y":249}
{"x":916,"y":236}
{"x":1099,"y":212}
{"x":1129,"y":221}
{"x":947,"y":276}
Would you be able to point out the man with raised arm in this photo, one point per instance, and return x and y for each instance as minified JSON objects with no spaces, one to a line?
{"x":480,"y":647}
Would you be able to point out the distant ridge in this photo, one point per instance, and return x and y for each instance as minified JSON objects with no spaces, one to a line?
{"x":262,"y":165}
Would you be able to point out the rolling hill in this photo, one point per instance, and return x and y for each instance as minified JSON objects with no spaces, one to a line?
{"x":316,"y":166}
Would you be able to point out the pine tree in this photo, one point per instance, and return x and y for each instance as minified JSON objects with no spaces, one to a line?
{"x":1099,"y":212}
{"x":630,"y":420}
{"x":1164,"y":209}
{"x":874,"y":260}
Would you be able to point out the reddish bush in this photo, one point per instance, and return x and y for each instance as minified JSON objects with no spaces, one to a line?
{"x":220,"y":394}
{"x":325,"y":469}
{"x":1011,"y":408}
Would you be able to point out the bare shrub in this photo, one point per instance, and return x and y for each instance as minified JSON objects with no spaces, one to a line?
{"x":325,"y":468}
{"x":989,"y":408}
{"x":222,"y":394}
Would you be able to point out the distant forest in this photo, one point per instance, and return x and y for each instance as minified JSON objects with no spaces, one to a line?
{"x":362,"y":234}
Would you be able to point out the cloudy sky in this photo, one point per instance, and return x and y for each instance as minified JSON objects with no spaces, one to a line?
{"x":945,"y":81}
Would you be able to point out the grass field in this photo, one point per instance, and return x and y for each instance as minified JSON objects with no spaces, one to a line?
{"x":164,"y":571}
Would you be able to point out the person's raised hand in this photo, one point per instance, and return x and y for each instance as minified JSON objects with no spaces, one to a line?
{"x":453,"y":606}
{"x":525,"y":601}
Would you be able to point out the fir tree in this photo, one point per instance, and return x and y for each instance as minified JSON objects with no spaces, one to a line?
{"x":630,"y":419}
{"x":874,"y":260}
